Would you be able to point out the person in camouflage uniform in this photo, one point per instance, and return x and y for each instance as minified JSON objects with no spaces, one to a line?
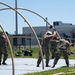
{"x":63,"y":49}
{"x":3,"y":49}
{"x":53,"y":47}
{"x":45,"y":48}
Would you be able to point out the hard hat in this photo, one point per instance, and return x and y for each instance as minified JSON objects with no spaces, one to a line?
{"x":49,"y":33}
{"x":1,"y":31}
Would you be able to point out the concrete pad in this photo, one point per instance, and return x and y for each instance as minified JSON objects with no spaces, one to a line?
{"x":28,"y":65}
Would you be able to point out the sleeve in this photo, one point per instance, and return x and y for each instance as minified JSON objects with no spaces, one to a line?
{"x":54,"y":29}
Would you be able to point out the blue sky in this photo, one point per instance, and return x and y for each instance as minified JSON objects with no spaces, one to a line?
{"x":54,"y":10}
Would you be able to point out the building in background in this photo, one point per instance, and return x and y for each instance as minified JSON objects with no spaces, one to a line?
{"x":28,"y":32}
{"x":64,"y":30}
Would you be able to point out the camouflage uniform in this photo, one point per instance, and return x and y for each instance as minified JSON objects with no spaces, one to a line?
{"x":3,"y":49}
{"x":64,"y":47}
{"x":45,"y":49}
{"x":53,"y":48}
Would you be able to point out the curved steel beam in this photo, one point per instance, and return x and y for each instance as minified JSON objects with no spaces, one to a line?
{"x":31,"y":29}
{"x":33,"y":13}
{"x":28,"y":11}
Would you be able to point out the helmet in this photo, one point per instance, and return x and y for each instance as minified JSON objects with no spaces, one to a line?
{"x":49,"y":33}
{"x":1,"y":31}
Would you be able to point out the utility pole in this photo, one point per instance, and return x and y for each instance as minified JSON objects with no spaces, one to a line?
{"x":46,"y":24}
{"x":16,"y":18}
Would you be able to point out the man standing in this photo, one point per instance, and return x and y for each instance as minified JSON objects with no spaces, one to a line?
{"x":63,"y":49}
{"x":53,"y":47}
{"x":3,"y":49}
{"x":45,"y":48}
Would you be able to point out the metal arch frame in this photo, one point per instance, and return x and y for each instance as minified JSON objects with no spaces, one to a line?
{"x":31,"y":29}
{"x":35,"y":14}
{"x":29,"y":11}
{"x":29,"y":24}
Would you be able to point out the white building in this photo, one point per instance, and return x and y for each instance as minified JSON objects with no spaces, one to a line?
{"x":62,"y":28}
{"x":66,"y":28}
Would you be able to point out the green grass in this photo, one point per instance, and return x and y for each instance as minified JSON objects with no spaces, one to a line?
{"x":50,"y":72}
{"x":15,"y":50}
{"x":35,"y":52}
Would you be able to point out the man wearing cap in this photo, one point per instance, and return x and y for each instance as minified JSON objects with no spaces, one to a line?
{"x":3,"y":49}
{"x":45,"y":48}
{"x":63,"y":49}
